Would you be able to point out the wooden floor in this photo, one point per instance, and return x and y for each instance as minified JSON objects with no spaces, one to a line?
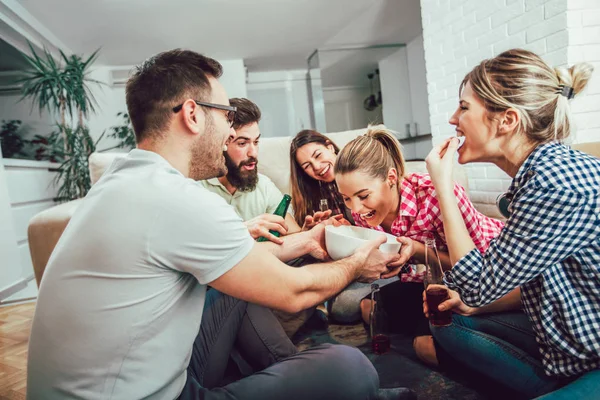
{"x":15,"y":324}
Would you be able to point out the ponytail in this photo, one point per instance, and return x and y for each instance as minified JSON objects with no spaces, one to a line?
{"x":374,"y":153}
{"x":521,"y":80}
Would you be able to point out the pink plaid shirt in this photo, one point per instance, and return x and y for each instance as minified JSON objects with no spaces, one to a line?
{"x":419,"y":216}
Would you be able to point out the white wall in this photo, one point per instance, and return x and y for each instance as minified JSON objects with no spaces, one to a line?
{"x":10,"y":262}
{"x":460,"y":34}
{"x":404,"y":89}
{"x":282,"y":97}
{"x":344,"y":109}
{"x":318,"y":103}
{"x":234,"y":78}
{"x":583,"y":26}
{"x":415,"y":56}
{"x":274,"y":101}
{"x":395,"y":90}
{"x":405,"y":100}
{"x":111,"y":100}
{"x":301,"y":112}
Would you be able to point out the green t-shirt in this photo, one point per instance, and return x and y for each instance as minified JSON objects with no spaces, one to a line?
{"x":263,"y":199}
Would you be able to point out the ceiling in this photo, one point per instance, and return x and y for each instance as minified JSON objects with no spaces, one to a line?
{"x":267,"y":34}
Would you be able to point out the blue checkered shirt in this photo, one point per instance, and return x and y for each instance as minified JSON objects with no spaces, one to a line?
{"x":550,"y":247}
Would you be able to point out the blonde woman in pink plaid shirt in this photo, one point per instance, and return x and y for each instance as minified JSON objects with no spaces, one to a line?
{"x":370,"y":174}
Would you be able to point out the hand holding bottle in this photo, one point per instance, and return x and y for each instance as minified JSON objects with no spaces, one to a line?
{"x":281,"y":211}
{"x":261,"y":225}
{"x":453,"y":303}
{"x":310,"y":221}
{"x":436,"y":292}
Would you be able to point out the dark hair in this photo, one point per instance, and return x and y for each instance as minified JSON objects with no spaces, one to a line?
{"x":164,"y":81}
{"x":375,"y":153}
{"x":306,"y":191}
{"x":246,"y":114}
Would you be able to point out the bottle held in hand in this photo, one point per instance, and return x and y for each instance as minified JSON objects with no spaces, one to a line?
{"x":281,"y":210}
{"x":323,"y":205}
{"x":437,"y":293}
{"x":378,"y":323}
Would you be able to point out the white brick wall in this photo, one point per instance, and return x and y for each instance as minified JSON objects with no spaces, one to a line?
{"x":583,"y":26}
{"x":458,"y":34}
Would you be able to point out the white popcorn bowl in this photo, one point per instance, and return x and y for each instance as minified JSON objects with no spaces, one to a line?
{"x":343,"y":241}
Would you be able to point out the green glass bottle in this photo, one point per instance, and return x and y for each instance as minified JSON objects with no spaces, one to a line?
{"x":281,"y":210}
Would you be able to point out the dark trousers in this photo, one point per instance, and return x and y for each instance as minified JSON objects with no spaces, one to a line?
{"x":233,"y":327}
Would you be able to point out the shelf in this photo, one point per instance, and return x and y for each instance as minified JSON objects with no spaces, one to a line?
{"x":414,"y":138}
{"x":23,"y":163}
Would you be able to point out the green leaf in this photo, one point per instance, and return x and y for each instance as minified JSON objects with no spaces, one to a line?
{"x":61,"y":87}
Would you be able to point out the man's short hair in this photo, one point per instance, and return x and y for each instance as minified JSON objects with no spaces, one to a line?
{"x":246,"y":114}
{"x":163,"y":82}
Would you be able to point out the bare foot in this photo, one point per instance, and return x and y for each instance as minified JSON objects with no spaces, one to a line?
{"x":425,"y":350}
{"x":365,"y":310}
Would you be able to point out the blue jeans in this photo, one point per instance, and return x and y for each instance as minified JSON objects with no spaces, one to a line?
{"x":587,"y":386}
{"x":503,"y":347}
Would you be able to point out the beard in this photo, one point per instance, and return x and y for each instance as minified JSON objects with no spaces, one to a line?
{"x":207,"y":159}
{"x":241,"y":179}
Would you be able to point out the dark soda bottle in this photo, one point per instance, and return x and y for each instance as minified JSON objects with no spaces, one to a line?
{"x":281,"y":210}
{"x":435,"y":296}
{"x":378,"y":323}
{"x":435,"y":292}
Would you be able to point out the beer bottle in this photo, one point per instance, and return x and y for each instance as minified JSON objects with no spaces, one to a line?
{"x":281,"y":210}
{"x":378,"y":323}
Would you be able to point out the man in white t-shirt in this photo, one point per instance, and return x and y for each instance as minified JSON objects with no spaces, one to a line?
{"x":123,"y":310}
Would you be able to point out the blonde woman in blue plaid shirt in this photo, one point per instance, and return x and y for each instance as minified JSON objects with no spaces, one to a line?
{"x":543,"y":271}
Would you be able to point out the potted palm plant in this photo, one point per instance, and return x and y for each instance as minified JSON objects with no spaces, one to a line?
{"x":61,"y":88}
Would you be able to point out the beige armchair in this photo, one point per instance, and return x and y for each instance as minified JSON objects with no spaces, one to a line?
{"x":45,"y":228}
{"x":44,"y":231}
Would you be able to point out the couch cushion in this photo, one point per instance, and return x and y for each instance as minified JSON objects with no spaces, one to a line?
{"x":591,"y":148}
{"x":274,"y":161}
{"x":99,"y":162}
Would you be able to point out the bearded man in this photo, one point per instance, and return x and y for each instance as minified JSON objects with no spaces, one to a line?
{"x":254,"y":196}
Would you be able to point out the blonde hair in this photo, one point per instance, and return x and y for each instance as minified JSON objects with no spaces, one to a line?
{"x":521,"y":80}
{"x":373,"y":153}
